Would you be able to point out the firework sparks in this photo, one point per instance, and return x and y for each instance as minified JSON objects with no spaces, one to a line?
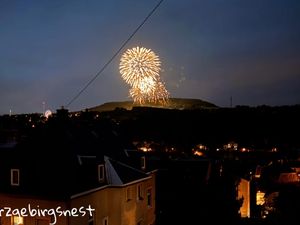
{"x":140,"y":68}
{"x":157,"y":94}
{"x":137,"y":64}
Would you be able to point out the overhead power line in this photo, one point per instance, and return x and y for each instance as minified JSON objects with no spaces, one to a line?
{"x":114,"y":55}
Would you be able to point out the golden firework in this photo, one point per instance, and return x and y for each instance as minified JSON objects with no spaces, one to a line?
{"x":156,"y":94}
{"x":140,"y":68}
{"x":160,"y":95}
{"x":139,"y":63}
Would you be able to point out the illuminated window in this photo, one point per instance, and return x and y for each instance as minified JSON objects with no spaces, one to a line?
{"x":105,"y":221}
{"x":139,"y":192}
{"x":143,"y":162}
{"x":101,"y":174}
{"x":17,"y":220}
{"x":260,"y":198}
{"x":149,"y":197}
{"x":15,"y":177}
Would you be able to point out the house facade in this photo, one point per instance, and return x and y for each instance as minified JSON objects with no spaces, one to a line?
{"x":104,"y":192}
{"x":128,"y":204}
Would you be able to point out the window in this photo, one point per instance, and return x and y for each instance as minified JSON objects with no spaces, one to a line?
{"x":143,"y":162}
{"x":52,"y":219}
{"x":139,"y":192}
{"x":101,"y":175}
{"x":128,"y":194}
{"x":105,"y":221}
{"x":91,"y":220}
{"x":15,"y":177}
{"x":17,"y":220}
{"x":149,"y":197}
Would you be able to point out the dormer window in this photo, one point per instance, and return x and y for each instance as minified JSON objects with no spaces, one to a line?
{"x":143,"y":162}
{"x":15,"y":177}
{"x":101,"y":173}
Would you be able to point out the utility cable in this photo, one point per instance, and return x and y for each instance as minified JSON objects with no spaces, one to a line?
{"x":114,"y":55}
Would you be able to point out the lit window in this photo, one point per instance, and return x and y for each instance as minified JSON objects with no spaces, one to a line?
{"x":15,"y":177}
{"x":260,"y":198}
{"x":139,"y":192}
{"x":101,"y":174}
{"x":149,"y":197}
{"x":17,"y":220}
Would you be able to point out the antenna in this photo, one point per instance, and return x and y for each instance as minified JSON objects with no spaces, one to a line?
{"x":44,"y":103}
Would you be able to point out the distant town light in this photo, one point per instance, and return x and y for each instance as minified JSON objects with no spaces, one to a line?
{"x":260,"y":198}
{"x":145,"y":149}
{"x":198,"y":153}
{"x":245,"y":150}
{"x":274,"y":149}
{"x":258,"y":171}
{"x":201,"y":147}
{"x":231,"y":146}
{"x":172,"y":149}
{"x":47,"y":113}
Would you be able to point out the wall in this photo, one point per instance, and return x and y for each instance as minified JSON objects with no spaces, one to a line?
{"x":244,"y":192}
{"x":113,"y":203}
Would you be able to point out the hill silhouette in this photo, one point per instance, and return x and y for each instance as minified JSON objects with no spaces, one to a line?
{"x":174,"y":103}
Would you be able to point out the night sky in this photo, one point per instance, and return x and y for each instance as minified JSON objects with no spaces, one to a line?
{"x":209,"y":49}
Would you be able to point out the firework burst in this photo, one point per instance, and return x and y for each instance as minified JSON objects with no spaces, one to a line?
{"x":140,"y":69}
{"x":137,"y":64}
{"x":157,"y":94}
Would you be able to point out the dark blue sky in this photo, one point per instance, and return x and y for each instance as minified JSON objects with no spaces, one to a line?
{"x":209,"y":49}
